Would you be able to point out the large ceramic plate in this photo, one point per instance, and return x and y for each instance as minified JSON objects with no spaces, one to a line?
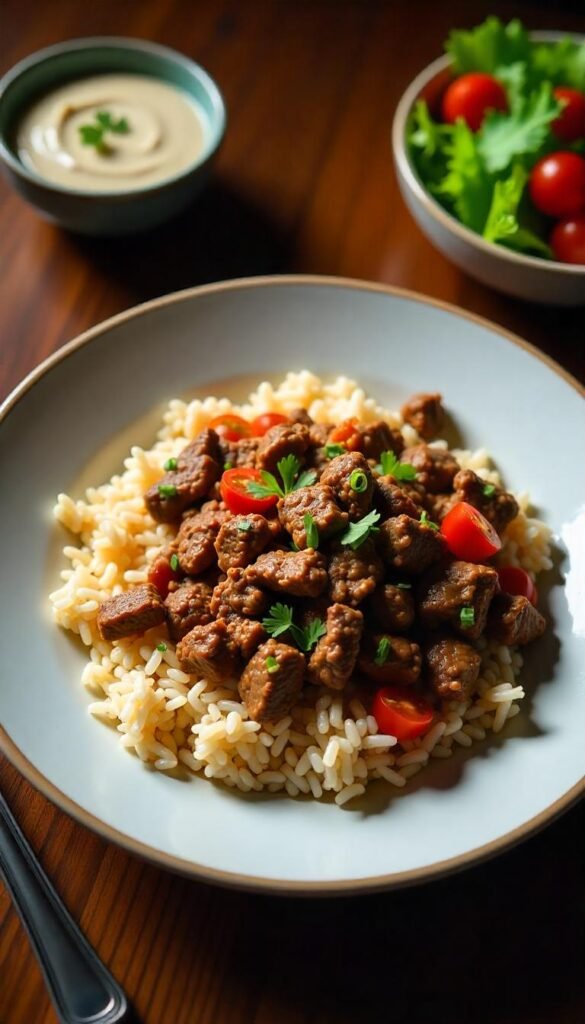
{"x":71,"y":422}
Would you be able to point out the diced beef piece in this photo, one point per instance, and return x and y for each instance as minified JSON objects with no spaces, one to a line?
{"x":390,"y":659}
{"x":416,"y":493}
{"x":196,"y":539}
{"x":317,"y":501}
{"x":498,"y":506}
{"x":206,"y":443}
{"x":435,"y":467}
{"x":425,"y":413}
{"x":333,"y":660}
{"x":514,"y":620}
{"x":319,"y":434}
{"x":301,"y":416}
{"x":353,"y":575}
{"x":277,"y":532}
{"x":271,"y":681}
{"x":245,"y":634}
{"x":284,"y":439}
{"x":410,"y":546}
{"x":239,"y":454}
{"x":188,"y":605}
{"x":301,"y":573}
{"x":392,"y":606}
{"x":180,"y":488}
{"x":240,"y":540}
{"x":392,"y":500}
{"x":208,"y":652}
{"x":446,"y":590}
{"x":439,"y":504}
{"x":338,"y":473}
{"x":237,"y":595}
{"x":136,"y":610}
{"x":378,"y":437}
{"x":452,"y":667}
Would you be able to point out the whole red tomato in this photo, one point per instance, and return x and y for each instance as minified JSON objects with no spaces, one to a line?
{"x":568,"y":240}
{"x":570,"y":124}
{"x":557,"y":185}
{"x":471,"y":96}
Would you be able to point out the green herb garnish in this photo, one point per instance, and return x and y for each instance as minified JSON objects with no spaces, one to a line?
{"x":311,"y":531}
{"x":227,"y":465}
{"x":467,"y":617}
{"x":288,"y":467}
{"x":93,"y":134}
{"x":167,"y":490}
{"x":404,"y":586}
{"x":161,"y":647}
{"x":170,"y":465}
{"x":488,"y":490}
{"x":424,"y":519}
{"x":272,"y":665}
{"x":357,"y":533}
{"x":280,"y":620}
{"x":333,"y":450}
{"x":382,"y":651}
{"x":244,"y":525}
{"x":390,"y":465}
{"x":174,"y":562}
{"x":358,"y":481}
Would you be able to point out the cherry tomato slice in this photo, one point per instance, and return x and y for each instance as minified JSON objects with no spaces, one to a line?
{"x":161,"y":574}
{"x":401,"y":713}
{"x":471,"y":96}
{"x":346,"y":434}
{"x":557,"y":185}
{"x":265,"y":421}
{"x":231,"y":427}
{"x":568,"y":240}
{"x":570,"y":124}
{"x":234,"y":491}
{"x":468,"y":533}
{"x":516,"y":581}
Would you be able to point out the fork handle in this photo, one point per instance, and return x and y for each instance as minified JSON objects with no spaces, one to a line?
{"x":82,"y":989}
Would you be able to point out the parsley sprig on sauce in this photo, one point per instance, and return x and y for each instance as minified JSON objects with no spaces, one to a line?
{"x":357,"y":533}
{"x":93,"y":134}
{"x":292,"y":479}
{"x":280,"y":620}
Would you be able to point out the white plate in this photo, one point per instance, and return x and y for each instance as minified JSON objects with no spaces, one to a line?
{"x":71,"y":422}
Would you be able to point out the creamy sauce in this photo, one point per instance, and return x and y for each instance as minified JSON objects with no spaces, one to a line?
{"x":164,"y":131}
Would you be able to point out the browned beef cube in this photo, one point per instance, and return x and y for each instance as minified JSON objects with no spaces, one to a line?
{"x":134,"y":611}
{"x":319,"y":434}
{"x":514,"y":620}
{"x":447,"y":591}
{"x":498,"y":506}
{"x":452,"y":667}
{"x":353,"y":575}
{"x":237,"y":594}
{"x":301,"y":573}
{"x":245,"y":634}
{"x":239,"y":454}
{"x":196,"y":539}
{"x":338,"y":475}
{"x":284,"y":439}
{"x":208,"y":652}
{"x":392,"y":500}
{"x":439,"y":504}
{"x":425,"y":413}
{"x":180,"y":488}
{"x":301,"y":416}
{"x":392,"y":606}
{"x":378,"y":437}
{"x":435,"y":467}
{"x":390,"y":659}
{"x":333,"y":660}
{"x":410,"y":546}
{"x":317,"y":501}
{"x":188,"y":605}
{"x":240,"y":540}
{"x":206,"y":443}
{"x":271,"y":681}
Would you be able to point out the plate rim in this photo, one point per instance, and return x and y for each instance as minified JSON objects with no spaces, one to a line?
{"x":332,"y":887}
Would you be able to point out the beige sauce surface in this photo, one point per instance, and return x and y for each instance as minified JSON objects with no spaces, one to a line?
{"x":161,"y":131}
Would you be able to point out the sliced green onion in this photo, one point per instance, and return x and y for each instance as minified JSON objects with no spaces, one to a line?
{"x":272,"y":665}
{"x":244,"y":525}
{"x":358,"y":481}
{"x":428,"y":522}
{"x":488,"y":490}
{"x":170,"y":464}
{"x":404,"y":586}
{"x":467,"y":617}
{"x":174,"y":562}
{"x":333,"y":450}
{"x":382,"y":652}
{"x":161,"y":647}
{"x":167,"y":490}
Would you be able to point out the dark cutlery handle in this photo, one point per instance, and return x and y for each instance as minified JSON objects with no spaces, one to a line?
{"x":82,"y":989}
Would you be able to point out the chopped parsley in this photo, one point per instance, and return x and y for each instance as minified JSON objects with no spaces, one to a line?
{"x":161,"y":647}
{"x":333,"y":450}
{"x":170,"y":465}
{"x":382,"y":651}
{"x":390,"y":465}
{"x":167,"y":490}
{"x":467,"y":617}
{"x":93,"y":134}
{"x":358,"y":481}
{"x":272,"y":665}
{"x":424,"y":519}
{"x":489,"y":490}
{"x":311,"y":531}
{"x":280,"y":620}
{"x":244,"y":525}
{"x":174,"y":562}
{"x":357,"y":533}
{"x":292,"y":479}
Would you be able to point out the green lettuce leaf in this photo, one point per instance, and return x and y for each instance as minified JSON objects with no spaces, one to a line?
{"x":489,"y":46}
{"x":561,"y":63}
{"x":520,"y":132}
{"x":466,"y":187}
{"x":502,"y":224}
{"x":427,"y":140}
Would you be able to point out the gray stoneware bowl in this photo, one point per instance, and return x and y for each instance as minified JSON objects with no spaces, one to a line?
{"x":526,"y":277}
{"x":125,"y":211}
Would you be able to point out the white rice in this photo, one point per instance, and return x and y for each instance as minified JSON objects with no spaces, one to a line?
{"x":167,"y":716}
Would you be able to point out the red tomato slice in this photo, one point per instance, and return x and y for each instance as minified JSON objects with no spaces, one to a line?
{"x":231,"y":427}
{"x":161,"y":574}
{"x":468,"y":533}
{"x":471,"y":96}
{"x":234,"y":491}
{"x":516,"y":581}
{"x":346,"y":434}
{"x":570,"y":124}
{"x":401,"y":713}
{"x":265,"y":421}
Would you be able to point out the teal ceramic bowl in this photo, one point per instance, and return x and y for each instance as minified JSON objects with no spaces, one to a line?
{"x":96,"y":212}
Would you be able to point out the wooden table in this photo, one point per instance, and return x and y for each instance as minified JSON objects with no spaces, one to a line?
{"x":304,"y":183}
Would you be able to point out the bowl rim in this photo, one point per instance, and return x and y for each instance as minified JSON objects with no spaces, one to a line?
{"x":432,"y":206}
{"x":153,"y":855}
{"x":115,"y":43}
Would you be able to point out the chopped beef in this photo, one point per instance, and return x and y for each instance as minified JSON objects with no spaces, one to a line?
{"x":245,"y":634}
{"x":208,"y":652}
{"x":317,"y":501}
{"x":391,"y":499}
{"x":271,"y":681}
{"x":237,"y":595}
{"x":180,"y":488}
{"x":425,"y":413}
{"x":353,"y":575}
{"x":301,"y":416}
{"x":378,"y":437}
{"x":435,"y":467}
{"x":188,"y":605}
{"x":410,"y":546}
{"x":498,"y":506}
{"x":452,"y":667}
{"x":301,"y":573}
{"x":196,"y":539}
{"x":337,"y":475}
{"x":458,"y":594}
{"x":283,"y":439}
{"x":240,"y":540}
{"x":207,"y":442}
{"x":393,"y":607}
{"x":319,"y":434}
{"x":514,"y":620}
{"x":401,"y":659}
{"x":332,"y":662}
{"x":239,"y":454}
{"x":439,"y":504}
{"x":134,"y":611}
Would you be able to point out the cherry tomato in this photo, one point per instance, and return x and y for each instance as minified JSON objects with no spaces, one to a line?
{"x":568,"y":240}
{"x":570,"y":124}
{"x":234,"y":491}
{"x":346,"y":434}
{"x":514,"y":580}
{"x":557,"y":185}
{"x":401,"y":713}
{"x":161,"y":574}
{"x":265,"y":421}
{"x":471,"y":96}
{"x":231,"y":427}
{"x":468,"y":533}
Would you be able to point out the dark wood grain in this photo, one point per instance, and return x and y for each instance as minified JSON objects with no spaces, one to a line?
{"x":304,"y":182}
